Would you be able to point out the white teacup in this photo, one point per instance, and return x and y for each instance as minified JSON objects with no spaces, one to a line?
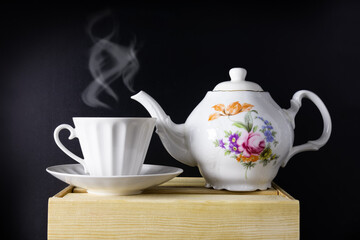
{"x":111,"y":146}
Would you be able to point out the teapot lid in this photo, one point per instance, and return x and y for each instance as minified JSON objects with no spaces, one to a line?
{"x":238,"y":82}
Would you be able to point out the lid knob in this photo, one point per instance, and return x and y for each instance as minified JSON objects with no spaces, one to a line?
{"x":238,"y":82}
{"x":237,"y":74}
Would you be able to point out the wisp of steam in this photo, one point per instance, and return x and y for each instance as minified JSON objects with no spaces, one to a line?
{"x":108,"y":62}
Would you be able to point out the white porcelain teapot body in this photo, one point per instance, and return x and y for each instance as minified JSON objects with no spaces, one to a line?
{"x":237,"y":135}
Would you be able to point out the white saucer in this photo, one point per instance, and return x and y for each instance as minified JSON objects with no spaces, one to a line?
{"x":150,"y":175}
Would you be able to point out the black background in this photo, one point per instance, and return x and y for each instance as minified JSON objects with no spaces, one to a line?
{"x":185,"y":50}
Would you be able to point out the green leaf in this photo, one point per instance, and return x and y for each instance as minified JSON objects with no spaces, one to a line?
{"x":248,"y":118}
{"x":255,"y":128}
{"x":254,"y":111}
{"x":227,"y":152}
{"x":238,"y":133}
{"x":227,"y":133}
{"x":265,"y":162}
{"x":216,"y":143}
{"x":240,"y":125}
{"x":249,"y":121}
{"x":249,"y":165}
{"x":273,"y":133}
{"x":250,"y":127}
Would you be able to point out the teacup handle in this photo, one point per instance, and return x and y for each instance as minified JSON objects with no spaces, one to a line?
{"x":292,"y":111}
{"x":63,"y":148}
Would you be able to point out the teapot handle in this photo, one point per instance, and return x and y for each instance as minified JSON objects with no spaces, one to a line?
{"x":292,"y":111}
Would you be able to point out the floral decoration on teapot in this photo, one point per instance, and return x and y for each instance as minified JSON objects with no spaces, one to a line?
{"x":251,"y":144}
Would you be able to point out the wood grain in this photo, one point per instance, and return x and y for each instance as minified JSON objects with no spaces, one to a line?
{"x":169,"y":212}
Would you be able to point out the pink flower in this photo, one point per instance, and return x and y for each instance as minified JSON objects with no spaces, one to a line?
{"x":251,"y":144}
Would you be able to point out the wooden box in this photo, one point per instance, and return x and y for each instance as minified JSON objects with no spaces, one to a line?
{"x":179,"y":209}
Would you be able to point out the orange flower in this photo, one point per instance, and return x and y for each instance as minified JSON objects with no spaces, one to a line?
{"x":214,"y":116}
{"x":219,"y":107}
{"x":252,"y":158}
{"x":232,"y":109}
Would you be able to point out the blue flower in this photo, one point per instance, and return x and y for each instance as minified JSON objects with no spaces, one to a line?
{"x":269,"y":127}
{"x":233,"y":138}
{"x":269,"y":136}
{"x":266,"y":122}
{"x":221,"y":143}
{"x":233,"y":147}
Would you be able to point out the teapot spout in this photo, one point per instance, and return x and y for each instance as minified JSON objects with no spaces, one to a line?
{"x":172,"y":135}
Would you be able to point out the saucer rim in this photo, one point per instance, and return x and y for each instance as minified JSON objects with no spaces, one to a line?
{"x":177,"y":171}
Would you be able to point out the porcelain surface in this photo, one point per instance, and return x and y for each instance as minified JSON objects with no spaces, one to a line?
{"x":111,"y":146}
{"x":150,"y":175}
{"x":242,"y":148}
{"x":237,"y":135}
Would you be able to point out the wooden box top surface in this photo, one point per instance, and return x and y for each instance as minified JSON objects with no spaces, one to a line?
{"x":183,"y":189}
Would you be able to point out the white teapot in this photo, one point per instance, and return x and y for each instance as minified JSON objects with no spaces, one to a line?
{"x":237,"y":135}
